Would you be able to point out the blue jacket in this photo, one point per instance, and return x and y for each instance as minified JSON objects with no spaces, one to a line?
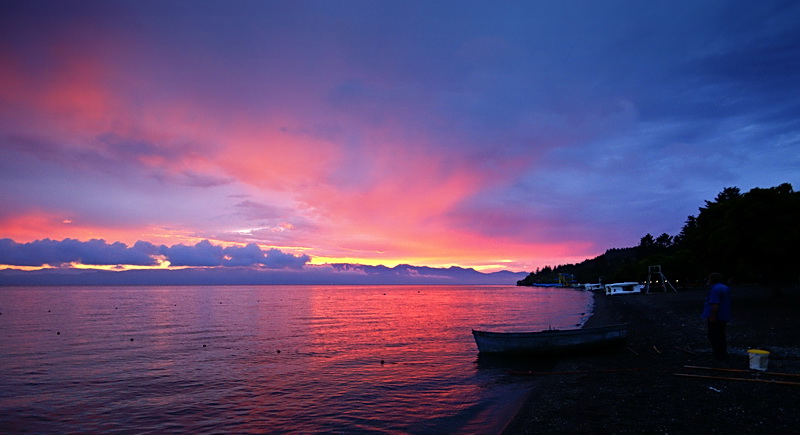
{"x":719,"y":294}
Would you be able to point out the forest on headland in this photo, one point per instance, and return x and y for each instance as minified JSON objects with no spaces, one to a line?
{"x":751,"y":238}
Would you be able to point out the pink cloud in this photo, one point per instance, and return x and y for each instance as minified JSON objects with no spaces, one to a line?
{"x":393,"y":203}
{"x":370,"y":171}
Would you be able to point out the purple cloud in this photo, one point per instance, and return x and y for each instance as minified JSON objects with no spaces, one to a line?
{"x":99,"y":253}
{"x":275,"y":259}
{"x":59,"y":253}
{"x":208,"y":255}
{"x":201,"y":254}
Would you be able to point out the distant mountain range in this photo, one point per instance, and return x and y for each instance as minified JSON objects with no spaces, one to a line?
{"x":336,"y":274}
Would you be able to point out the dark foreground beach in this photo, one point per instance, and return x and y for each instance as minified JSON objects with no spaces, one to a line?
{"x":665,"y":381}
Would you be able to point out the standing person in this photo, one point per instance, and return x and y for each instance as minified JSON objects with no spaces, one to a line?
{"x":717,"y":311}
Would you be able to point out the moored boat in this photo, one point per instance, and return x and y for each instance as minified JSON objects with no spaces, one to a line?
{"x":552,"y":341}
{"x":622,"y":288}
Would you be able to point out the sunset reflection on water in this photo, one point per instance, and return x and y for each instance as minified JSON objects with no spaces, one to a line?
{"x":261,"y":358}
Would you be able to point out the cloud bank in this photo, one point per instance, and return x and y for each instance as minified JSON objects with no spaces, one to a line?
{"x":207,"y":264}
{"x":97,"y":252}
{"x":203,"y":267}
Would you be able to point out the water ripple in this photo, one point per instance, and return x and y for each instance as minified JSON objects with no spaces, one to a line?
{"x":261,"y":359}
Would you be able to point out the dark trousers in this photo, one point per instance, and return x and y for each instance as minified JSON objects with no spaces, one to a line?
{"x":716,"y":335}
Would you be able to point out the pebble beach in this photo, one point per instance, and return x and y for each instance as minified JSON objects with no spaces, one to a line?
{"x":664,"y":379}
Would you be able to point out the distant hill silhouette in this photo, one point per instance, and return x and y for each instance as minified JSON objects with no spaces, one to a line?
{"x":340,"y":274}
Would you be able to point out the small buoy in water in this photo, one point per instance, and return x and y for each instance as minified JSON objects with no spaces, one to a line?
{"x":382,"y":362}
{"x":58,"y":333}
{"x":48,"y":311}
{"x":204,"y":345}
{"x":131,"y":339}
{"x":279,"y":351}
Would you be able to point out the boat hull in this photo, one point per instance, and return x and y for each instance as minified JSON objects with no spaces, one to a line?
{"x":623,"y":288}
{"x":552,"y":342}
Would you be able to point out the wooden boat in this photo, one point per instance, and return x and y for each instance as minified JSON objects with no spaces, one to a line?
{"x":551,"y":342}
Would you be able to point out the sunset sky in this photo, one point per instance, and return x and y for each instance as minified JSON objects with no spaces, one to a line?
{"x":493,"y":135}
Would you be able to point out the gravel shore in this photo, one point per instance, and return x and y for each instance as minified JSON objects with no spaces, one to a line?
{"x":665,"y":381}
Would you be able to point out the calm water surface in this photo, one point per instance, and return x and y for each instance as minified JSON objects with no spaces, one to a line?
{"x":391,"y":359}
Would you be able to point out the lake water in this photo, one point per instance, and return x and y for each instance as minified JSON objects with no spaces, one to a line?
{"x":265,"y":359}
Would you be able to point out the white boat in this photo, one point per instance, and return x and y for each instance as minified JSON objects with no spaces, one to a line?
{"x":623,"y":288}
{"x":593,"y":287}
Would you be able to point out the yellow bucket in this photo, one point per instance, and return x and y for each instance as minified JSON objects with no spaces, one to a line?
{"x":759,"y":359}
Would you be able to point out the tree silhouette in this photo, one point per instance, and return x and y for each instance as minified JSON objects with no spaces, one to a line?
{"x":750,"y":238}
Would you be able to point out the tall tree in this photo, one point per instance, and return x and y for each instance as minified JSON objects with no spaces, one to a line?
{"x":750,"y":237}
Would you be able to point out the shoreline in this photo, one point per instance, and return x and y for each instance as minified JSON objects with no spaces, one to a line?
{"x":635,"y":388}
